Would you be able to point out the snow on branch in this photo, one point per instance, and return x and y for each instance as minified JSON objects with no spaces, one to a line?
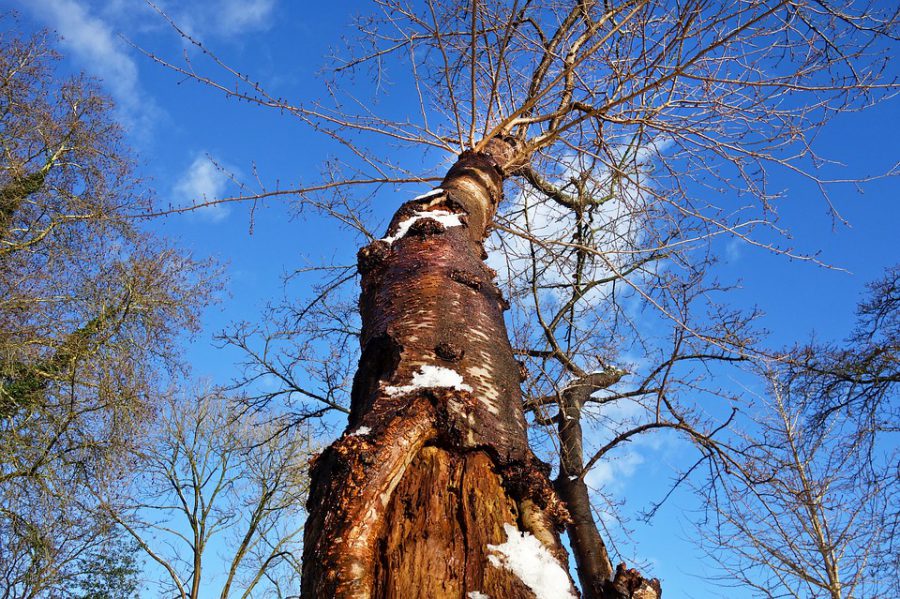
{"x":448,"y":219}
{"x":437,"y":191}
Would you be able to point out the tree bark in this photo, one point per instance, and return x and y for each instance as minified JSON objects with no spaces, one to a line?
{"x":408,"y":502}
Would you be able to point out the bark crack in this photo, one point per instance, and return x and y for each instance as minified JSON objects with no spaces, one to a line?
{"x":463,"y":527}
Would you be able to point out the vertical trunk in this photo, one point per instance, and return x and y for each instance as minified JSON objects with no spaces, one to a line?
{"x":435,"y":467}
{"x":595,"y":571}
{"x":591,"y":557}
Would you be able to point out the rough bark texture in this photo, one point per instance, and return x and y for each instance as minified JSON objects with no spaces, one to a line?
{"x":438,"y":525}
{"x":405,"y":503}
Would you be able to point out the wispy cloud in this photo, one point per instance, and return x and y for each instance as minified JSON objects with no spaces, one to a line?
{"x":90,"y":31}
{"x":607,"y":482}
{"x":203,"y":181}
{"x":92,"y":42}
{"x":222,"y":18}
{"x":237,"y":16}
{"x":734,"y":250}
{"x":612,"y":474}
{"x":617,"y":224}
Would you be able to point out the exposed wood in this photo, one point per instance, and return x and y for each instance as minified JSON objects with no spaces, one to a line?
{"x":440,"y":521}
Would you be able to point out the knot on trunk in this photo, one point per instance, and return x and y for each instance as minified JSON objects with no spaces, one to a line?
{"x":426,"y":227}
{"x":629,"y":584}
{"x":371,"y":256}
{"x":464,"y":277}
{"x":523,"y":370}
{"x":504,"y":304}
{"x":449,"y":351}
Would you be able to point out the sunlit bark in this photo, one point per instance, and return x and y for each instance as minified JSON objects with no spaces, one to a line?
{"x":409,"y":501}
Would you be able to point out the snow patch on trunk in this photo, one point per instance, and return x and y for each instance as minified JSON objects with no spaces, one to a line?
{"x":361,"y":431}
{"x":446,"y":218}
{"x":477,"y":595}
{"x":431,"y":376}
{"x":526,"y":557}
{"x":437,"y":191}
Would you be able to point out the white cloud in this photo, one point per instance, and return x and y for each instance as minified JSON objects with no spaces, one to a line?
{"x":734,"y":250}
{"x":236,"y":16}
{"x":613,"y":472}
{"x":611,"y":479}
{"x":617,"y":226}
{"x":90,"y":36}
{"x":601,"y":424}
{"x":202,"y":182}
{"x":617,"y":229}
{"x":92,"y":42}
{"x":223,"y":18}
{"x":608,"y":481}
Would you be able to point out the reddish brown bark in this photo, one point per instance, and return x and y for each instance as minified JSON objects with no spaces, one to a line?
{"x":443,"y":515}
{"x":407,"y":501}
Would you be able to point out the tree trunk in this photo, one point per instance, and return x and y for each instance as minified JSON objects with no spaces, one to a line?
{"x":434,"y":480}
{"x":593,"y":564}
{"x":595,"y":571}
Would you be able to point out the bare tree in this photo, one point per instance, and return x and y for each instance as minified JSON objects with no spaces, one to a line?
{"x":811,"y":509}
{"x":90,"y":307}
{"x":52,"y":548}
{"x":204,"y":479}
{"x":812,"y":513}
{"x":858,"y":377}
{"x":628,"y":137}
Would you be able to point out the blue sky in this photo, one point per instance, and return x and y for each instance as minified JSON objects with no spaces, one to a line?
{"x":177,"y":127}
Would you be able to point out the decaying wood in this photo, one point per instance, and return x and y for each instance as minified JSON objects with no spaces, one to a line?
{"x":442,"y":517}
{"x":629,"y":584}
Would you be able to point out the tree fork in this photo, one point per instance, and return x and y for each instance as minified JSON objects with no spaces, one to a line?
{"x":435,"y":460}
